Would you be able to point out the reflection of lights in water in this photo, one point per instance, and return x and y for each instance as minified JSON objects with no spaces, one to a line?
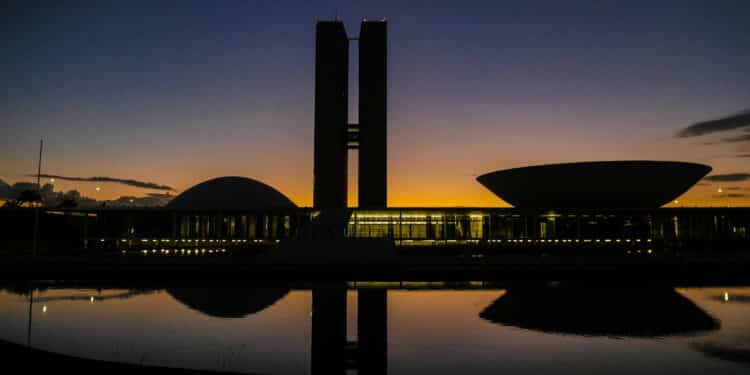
{"x":91,"y":299}
{"x":44,"y":309}
{"x":726,"y":297}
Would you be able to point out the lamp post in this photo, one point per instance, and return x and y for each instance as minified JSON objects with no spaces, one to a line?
{"x":36,"y":207}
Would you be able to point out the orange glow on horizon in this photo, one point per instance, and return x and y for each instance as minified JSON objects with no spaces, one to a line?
{"x":464,"y":194}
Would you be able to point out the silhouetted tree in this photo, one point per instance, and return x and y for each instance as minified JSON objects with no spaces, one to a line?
{"x":12,"y":203}
{"x":29,"y":196}
{"x":68,"y":203}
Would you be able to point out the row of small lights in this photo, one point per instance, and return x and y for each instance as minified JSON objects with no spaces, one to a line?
{"x":180,"y":251}
{"x":470,"y":241}
{"x":587,"y":240}
{"x":649,"y":251}
{"x":146,"y":240}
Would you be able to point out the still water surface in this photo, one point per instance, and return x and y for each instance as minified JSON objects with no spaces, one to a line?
{"x":277,"y":330}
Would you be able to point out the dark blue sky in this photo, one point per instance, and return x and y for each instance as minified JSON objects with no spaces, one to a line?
{"x":179,"y":91}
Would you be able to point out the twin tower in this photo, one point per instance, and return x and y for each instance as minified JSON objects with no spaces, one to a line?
{"x":334,"y":135}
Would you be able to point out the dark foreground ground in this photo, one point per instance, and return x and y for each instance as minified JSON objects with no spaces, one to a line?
{"x":684,"y":268}
{"x":23,"y":359}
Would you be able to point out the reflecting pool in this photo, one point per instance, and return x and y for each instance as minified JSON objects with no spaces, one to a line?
{"x":398,"y":328}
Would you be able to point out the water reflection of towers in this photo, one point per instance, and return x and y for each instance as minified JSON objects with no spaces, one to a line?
{"x":331,"y":353}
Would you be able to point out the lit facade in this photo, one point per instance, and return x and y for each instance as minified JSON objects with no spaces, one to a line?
{"x":501,"y":228}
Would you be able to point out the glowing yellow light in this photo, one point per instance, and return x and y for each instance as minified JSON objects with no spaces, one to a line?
{"x":98,"y":188}
{"x":44,"y":309}
{"x":91,"y":299}
{"x":51,"y":180}
{"x":726,"y":297}
{"x":719,"y":190}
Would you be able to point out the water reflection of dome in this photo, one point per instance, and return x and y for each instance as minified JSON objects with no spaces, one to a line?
{"x":231,"y":302}
{"x":647,"y":312}
{"x":230,"y":193}
{"x":723,"y":351}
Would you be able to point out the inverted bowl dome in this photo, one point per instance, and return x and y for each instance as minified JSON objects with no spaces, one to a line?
{"x":601,"y":184}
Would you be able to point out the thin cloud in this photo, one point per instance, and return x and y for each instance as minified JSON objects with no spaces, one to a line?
{"x":739,"y":138}
{"x":735,"y":121}
{"x":136,"y":183}
{"x":743,"y":156}
{"x":160,"y":195}
{"x":729,"y":177}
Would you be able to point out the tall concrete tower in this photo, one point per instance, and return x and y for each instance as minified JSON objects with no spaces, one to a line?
{"x":331,"y":115}
{"x":373,"y":109}
{"x":333,"y":135}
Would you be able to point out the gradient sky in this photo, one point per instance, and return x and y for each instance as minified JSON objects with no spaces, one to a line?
{"x":176,"y":92}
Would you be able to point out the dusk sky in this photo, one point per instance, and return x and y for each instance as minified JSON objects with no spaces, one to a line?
{"x":177,"y":92}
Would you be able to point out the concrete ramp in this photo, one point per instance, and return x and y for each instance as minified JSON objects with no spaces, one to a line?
{"x":328,"y":252}
{"x":330,"y":224}
{"x":324,"y":242}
